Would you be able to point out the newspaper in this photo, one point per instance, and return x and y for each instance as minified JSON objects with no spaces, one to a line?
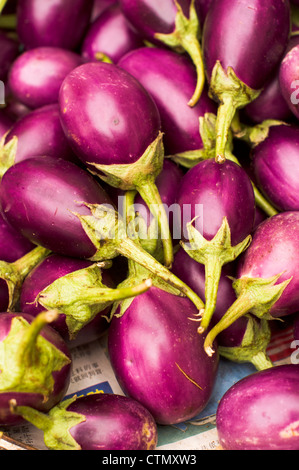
{"x":92,"y":372}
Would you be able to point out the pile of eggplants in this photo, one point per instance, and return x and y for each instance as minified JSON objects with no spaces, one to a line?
{"x":149,"y":181}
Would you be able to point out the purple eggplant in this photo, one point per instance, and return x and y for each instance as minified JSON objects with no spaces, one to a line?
{"x":9,"y":50}
{"x":261,"y":411}
{"x":6,"y":122}
{"x":35,"y":370}
{"x":35,"y":77}
{"x":113,"y":125}
{"x":81,"y":291}
{"x":275,"y":163}
{"x":247,"y":339}
{"x":156,"y":353}
{"x":99,"y":6}
{"x":101,"y":421}
{"x":239,"y":60}
{"x":72,"y":216}
{"x":175,"y":24}
{"x":217,"y":211}
{"x":170,"y":78}
{"x":36,"y":134}
{"x":267,"y":282}
{"x":288,"y":79}
{"x":56,"y":23}
{"x":110,"y":37}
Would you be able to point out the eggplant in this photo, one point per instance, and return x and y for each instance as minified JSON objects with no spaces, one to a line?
{"x":275,"y":163}
{"x":217,"y":211}
{"x":72,"y":216}
{"x":101,"y":421}
{"x":122,"y":142}
{"x":175,"y":24}
{"x":9,"y":50}
{"x":240,"y":60}
{"x":261,"y":411}
{"x":35,"y":364}
{"x":267,"y":280}
{"x":61,"y":23}
{"x":36,"y":75}
{"x":6,"y":122}
{"x":156,"y":353}
{"x":288,"y":79}
{"x":170,"y":78}
{"x":110,"y":37}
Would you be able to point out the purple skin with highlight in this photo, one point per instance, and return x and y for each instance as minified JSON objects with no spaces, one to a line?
{"x":39,"y":133}
{"x":288,"y":79}
{"x":156,"y":353}
{"x":280,"y":235}
{"x":275,"y":166}
{"x":9,"y":50}
{"x":131,"y":426}
{"x":38,"y":197}
{"x":35,"y":77}
{"x":220,"y":190}
{"x":51,"y":268}
{"x":37,"y":20}
{"x":253,"y":52}
{"x":261,"y":411}
{"x":132,"y":121}
{"x":162,"y":72}
{"x":110,"y":34}
{"x":34,"y":400}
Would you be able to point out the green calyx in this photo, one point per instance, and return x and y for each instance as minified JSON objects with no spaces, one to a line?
{"x":254,"y":345}
{"x":8,"y":153}
{"x":254,"y":295}
{"x":27,"y":360}
{"x":14,"y":273}
{"x":231,"y":94}
{"x":56,"y":424}
{"x":108,"y":233}
{"x":213,"y":255}
{"x":2,"y":4}
{"x":187,"y":38}
{"x":141,"y":176}
{"x":81,"y":295}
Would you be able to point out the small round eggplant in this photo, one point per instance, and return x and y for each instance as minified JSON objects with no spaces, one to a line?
{"x":267,"y":282}
{"x":239,"y":60}
{"x":100,"y":421}
{"x":72,"y":216}
{"x":158,"y":357}
{"x":35,"y":77}
{"x":261,"y":411}
{"x":162,"y":72}
{"x":217,"y":211}
{"x":110,"y":37}
{"x":122,"y":142}
{"x":35,"y":370}
{"x":9,"y":50}
{"x":288,"y":79}
{"x":275,"y":163}
{"x":38,"y":133}
{"x":55,"y":23}
{"x":175,"y":24}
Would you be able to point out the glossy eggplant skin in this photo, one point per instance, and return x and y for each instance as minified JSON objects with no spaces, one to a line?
{"x":36,"y":75}
{"x":34,"y":400}
{"x":9,"y":50}
{"x":55,"y":23}
{"x":131,"y":121}
{"x":170,"y":78}
{"x":156,"y":352}
{"x":113,"y":422}
{"x":39,"y":197}
{"x":275,"y":166}
{"x":110,"y":34}
{"x":248,"y":35}
{"x":280,"y":235}
{"x":39,"y":133}
{"x":288,"y":79}
{"x":261,"y":411}
{"x":212,"y":191}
